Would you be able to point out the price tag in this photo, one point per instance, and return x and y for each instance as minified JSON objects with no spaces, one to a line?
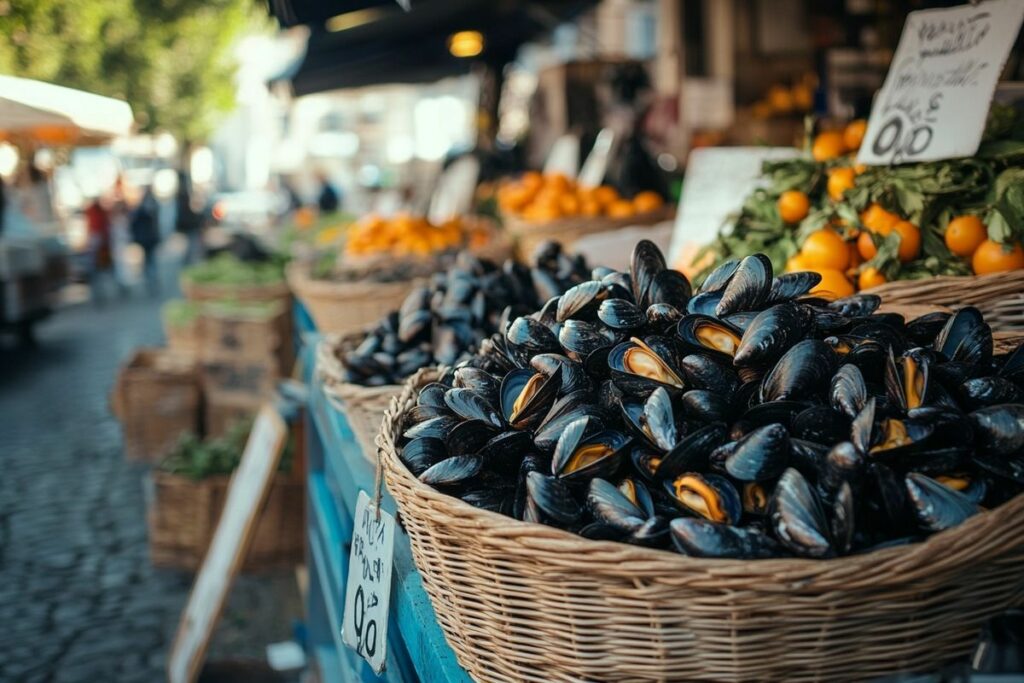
{"x":937,"y":93}
{"x":368,"y":591}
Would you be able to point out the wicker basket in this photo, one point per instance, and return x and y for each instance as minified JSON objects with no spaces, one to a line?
{"x":363,"y":406}
{"x":999,"y":296}
{"x":567,"y":230}
{"x":525,"y":602}
{"x":183,"y":513}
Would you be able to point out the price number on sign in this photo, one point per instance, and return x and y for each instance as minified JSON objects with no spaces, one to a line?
{"x":903,"y":137}
{"x":368,"y":590}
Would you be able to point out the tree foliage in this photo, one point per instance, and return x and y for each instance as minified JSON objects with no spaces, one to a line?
{"x":170,"y":59}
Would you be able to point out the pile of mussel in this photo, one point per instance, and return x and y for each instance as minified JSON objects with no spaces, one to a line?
{"x":445,"y":320}
{"x":748,"y":419}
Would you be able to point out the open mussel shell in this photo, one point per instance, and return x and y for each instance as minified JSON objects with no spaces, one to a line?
{"x":701,"y":538}
{"x":907,"y":378}
{"x":471,"y":406}
{"x":579,"y":456}
{"x":554,"y":424}
{"x":706,"y":334}
{"x":552,"y":499}
{"x":452,"y":471}
{"x":581,"y":300}
{"x":711,"y":496}
{"x":692,"y":453}
{"x":637,"y":369}
{"x":574,"y":377}
{"x":608,"y":505}
{"x":999,"y":430}
{"x":749,"y":287}
{"x":756,"y":497}
{"x":938,"y":507}
{"x":638,"y":494}
{"x":761,"y":455}
{"x":798,"y":518}
{"x":526,"y":396}
{"x":801,"y":372}
{"x":770,"y":334}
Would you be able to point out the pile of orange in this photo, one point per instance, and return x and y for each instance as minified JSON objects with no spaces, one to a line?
{"x":408,"y":235}
{"x":826,"y":252}
{"x":541,"y":198}
{"x":832,"y":144}
{"x":967,"y":237}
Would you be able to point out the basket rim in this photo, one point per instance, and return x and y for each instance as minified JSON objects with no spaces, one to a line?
{"x":935,"y":282}
{"x":780,"y":574}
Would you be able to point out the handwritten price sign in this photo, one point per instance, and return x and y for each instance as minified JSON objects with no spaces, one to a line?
{"x":368,"y":592}
{"x":937,"y":93}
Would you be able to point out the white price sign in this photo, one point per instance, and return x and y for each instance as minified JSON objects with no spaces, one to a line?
{"x":368,"y":591}
{"x":937,"y":93}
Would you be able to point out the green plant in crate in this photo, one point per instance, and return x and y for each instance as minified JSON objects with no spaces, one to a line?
{"x":198,"y":459}
{"x":227,"y":269}
{"x":179,"y":313}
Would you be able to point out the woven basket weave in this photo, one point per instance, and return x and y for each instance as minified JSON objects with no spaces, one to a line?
{"x":567,"y":230}
{"x":525,"y":602}
{"x":363,"y":406}
{"x":999,"y":296}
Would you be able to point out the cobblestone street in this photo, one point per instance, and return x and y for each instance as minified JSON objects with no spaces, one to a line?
{"x":79,"y":600}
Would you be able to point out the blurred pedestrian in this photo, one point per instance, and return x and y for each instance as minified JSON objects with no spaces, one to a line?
{"x":120,"y":233}
{"x":329,"y":200}
{"x":145,"y":229}
{"x":37,"y":199}
{"x":100,"y":260}
{"x":187,"y":221}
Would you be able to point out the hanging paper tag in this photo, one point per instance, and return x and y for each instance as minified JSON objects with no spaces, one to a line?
{"x":368,"y":591}
{"x":937,"y":93}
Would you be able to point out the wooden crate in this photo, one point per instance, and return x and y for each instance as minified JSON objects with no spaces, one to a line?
{"x":182,"y":517}
{"x":157,"y":398}
{"x":226,"y":334}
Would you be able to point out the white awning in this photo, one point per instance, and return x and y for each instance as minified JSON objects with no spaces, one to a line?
{"x":44,"y":112}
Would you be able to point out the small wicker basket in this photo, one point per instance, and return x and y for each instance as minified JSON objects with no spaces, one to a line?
{"x":529,"y":235}
{"x":1000,"y":296}
{"x":525,"y":602}
{"x":363,"y":406}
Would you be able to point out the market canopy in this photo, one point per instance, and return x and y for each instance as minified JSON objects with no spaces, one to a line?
{"x":383,"y":44}
{"x":52,"y":114}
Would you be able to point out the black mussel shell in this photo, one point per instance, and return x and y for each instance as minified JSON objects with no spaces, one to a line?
{"x":452,"y":471}
{"x":669,"y":287}
{"x":621,"y":314}
{"x":923,"y":330}
{"x":468,"y":437}
{"x":711,"y":496}
{"x":783,"y":412}
{"x":887,"y":502}
{"x":706,"y":334}
{"x":532,"y":335}
{"x":653,"y":533}
{"x":741,"y":319}
{"x":580,"y":300}
{"x":645,"y":461}
{"x":1011,"y":366}
{"x":420,"y":413}
{"x":718,"y":278}
{"x":798,"y":519}
{"x":770,"y":334}
{"x":420,"y":454}
{"x":701,"y":538}
{"x":526,"y":396}
{"x":553,"y":499}
{"x":807,"y":456}
{"x":598,"y":531}
{"x":848,"y":392}
{"x":574,"y":377}
{"x":638,"y":370}
{"x":966,"y":338}
{"x":608,"y":505}
{"x":789,"y":286}
{"x":638,"y":494}
{"x":494,"y":500}
{"x":857,"y":305}
{"x":581,"y":338}
{"x":705,"y":303}
{"x":647,"y":262}
{"x":907,"y":379}
{"x":989,"y":391}
{"x":999,"y":430}
{"x":659,"y":420}
{"x":706,"y":406}
{"x":437,"y":427}
{"x":580,"y":454}
{"x":749,"y":286}
{"x":1010,"y":469}
{"x":801,"y":372}
{"x":821,"y":424}
{"x":938,"y":507}
{"x":413,"y":324}
{"x":692,"y":453}
{"x":663,"y":316}
{"x":702,"y":371}
{"x":478,"y":381}
{"x":471,"y":406}
{"x":843,"y":519}
{"x":761,"y":455}
{"x":844,"y":464}
{"x":505,"y":449}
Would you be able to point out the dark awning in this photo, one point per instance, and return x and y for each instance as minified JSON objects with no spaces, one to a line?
{"x":412,"y":47}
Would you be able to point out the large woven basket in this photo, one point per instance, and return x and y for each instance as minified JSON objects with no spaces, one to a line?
{"x":363,"y":406}
{"x":567,"y":230}
{"x":525,"y":602}
{"x":999,"y":296}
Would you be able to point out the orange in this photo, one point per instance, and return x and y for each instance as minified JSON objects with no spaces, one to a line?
{"x":839,"y":181}
{"x":589,"y":207}
{"x":558,"y":182}
{"x":569,"y":204}
{"x":532,"y":180}
{"x":992,"y":257}
{"x":855,"y":258}
{"x":825,"y":249}
{"x":796,"y":263}
{"x":620,"y":208}
{"x":647,"y":201}
{"x":793,"y":206}
{"x":853,"y":134}
{"x":828,"y":145}
{"x":870,"y":277}
{"x":910,"y":240}
{"x":605,"y":195}
{"x":833,"y":285}
{"x":964,"y":234}
{"x":877,"y":219}
{"x":866,"y":246}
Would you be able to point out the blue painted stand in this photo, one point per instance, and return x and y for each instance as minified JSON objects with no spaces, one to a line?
{"x":417,"y":650}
